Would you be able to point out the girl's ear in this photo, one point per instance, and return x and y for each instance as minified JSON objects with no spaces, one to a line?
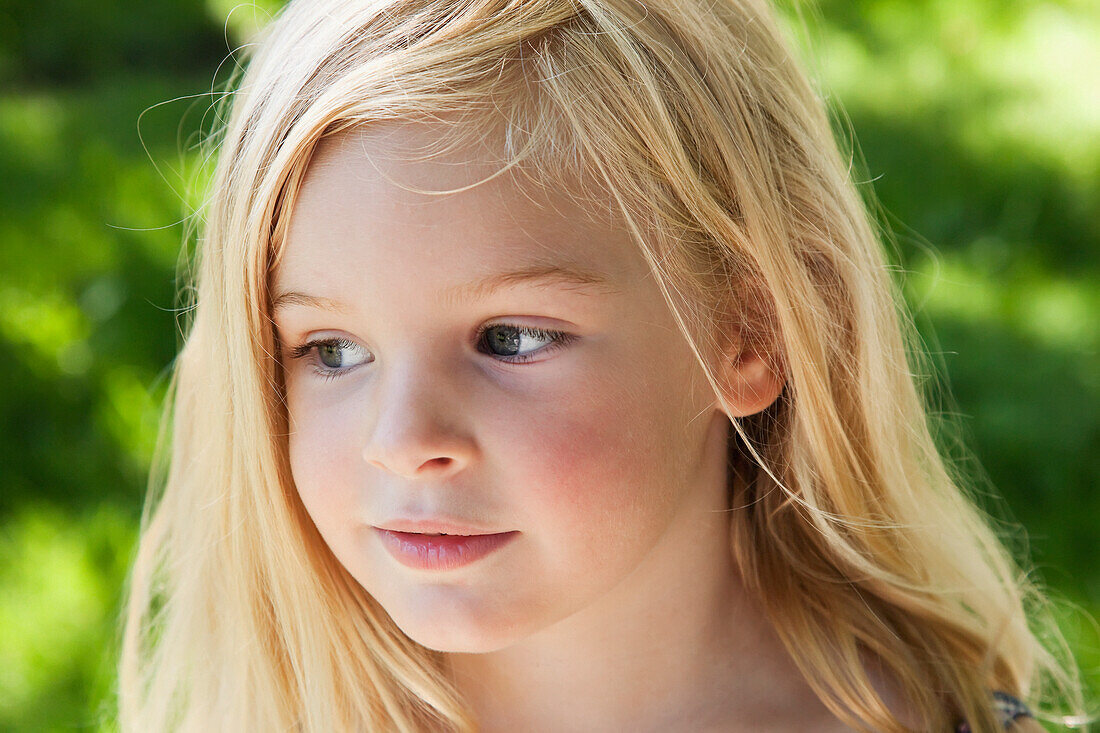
{"x":753,"y":380}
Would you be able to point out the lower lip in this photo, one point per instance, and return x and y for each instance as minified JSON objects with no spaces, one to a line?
{"x":442,"y":552}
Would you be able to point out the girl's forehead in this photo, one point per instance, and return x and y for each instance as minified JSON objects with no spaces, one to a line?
{"x":418,"y":191}
{"x":430,"y":156}
{"x":435,"y":157}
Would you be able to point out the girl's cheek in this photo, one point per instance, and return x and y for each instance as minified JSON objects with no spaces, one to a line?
{"x":583,"y":459}
{"x":322,"y":457}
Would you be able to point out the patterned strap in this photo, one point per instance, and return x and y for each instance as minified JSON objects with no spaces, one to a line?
{"x":1008,"y":709}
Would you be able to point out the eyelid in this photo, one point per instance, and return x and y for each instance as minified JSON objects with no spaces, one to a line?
{"x":298,"y":352}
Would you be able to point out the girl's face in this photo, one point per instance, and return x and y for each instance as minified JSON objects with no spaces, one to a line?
{"x":592,"y":435}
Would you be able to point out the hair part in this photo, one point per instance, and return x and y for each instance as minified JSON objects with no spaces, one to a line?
{"x":694,"y":124}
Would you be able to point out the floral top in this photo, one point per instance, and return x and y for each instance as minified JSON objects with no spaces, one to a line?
{"x":1007,"y":708}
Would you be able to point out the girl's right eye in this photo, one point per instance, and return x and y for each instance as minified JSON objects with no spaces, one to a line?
{"x":332,"y":360}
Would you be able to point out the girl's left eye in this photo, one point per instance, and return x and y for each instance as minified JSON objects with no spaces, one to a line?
{"x":510,"y":338}
{"x":503,"y":340}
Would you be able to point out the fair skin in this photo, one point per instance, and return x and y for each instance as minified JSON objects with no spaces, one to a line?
{"x":617,"y":606}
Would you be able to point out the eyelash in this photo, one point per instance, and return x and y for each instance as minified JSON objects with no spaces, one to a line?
{"x":557,"y":339}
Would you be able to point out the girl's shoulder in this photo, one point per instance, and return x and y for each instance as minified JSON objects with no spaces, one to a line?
{"x":1012,"y":713}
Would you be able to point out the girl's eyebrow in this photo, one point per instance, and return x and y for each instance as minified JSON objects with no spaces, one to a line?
{"x":580,"y":280}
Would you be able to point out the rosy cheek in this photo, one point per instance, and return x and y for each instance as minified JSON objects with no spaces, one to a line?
{"x":580,"y":465}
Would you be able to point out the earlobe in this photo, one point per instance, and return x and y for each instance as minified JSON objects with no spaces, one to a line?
{"x":752,"y":383}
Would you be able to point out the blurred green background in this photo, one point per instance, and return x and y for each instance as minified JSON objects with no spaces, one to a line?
{"x":979,"y":121}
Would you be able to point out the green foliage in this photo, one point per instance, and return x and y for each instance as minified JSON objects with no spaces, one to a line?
{"x":76,"y":41}
{"x":88,"y":242}
{"x":977,"y":120}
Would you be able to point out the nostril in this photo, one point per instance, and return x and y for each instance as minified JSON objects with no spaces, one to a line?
{"x":431,"y":465}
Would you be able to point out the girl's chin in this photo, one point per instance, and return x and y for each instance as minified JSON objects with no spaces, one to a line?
{"x":460,"y":641}
{"x":438,"y":626}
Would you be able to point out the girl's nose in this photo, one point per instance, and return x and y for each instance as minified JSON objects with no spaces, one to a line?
{"x":419,"y":431}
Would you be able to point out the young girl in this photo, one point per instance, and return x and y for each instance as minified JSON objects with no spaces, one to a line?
{"x":545,"y":374}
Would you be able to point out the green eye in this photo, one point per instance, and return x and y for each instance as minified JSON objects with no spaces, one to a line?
{"x":334,"y":356}
{"x":511,"y":341}
{"x":330,"y":355}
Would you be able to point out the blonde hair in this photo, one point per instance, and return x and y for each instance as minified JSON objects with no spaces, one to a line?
{"x":695,"y":120}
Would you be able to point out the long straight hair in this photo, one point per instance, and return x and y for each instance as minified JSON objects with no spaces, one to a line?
{"x":693,"y":119}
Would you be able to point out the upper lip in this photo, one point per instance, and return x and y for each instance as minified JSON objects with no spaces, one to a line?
{"x":433,"y":526}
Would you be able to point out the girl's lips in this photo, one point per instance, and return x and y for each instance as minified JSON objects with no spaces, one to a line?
{"x":440,"y":552}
